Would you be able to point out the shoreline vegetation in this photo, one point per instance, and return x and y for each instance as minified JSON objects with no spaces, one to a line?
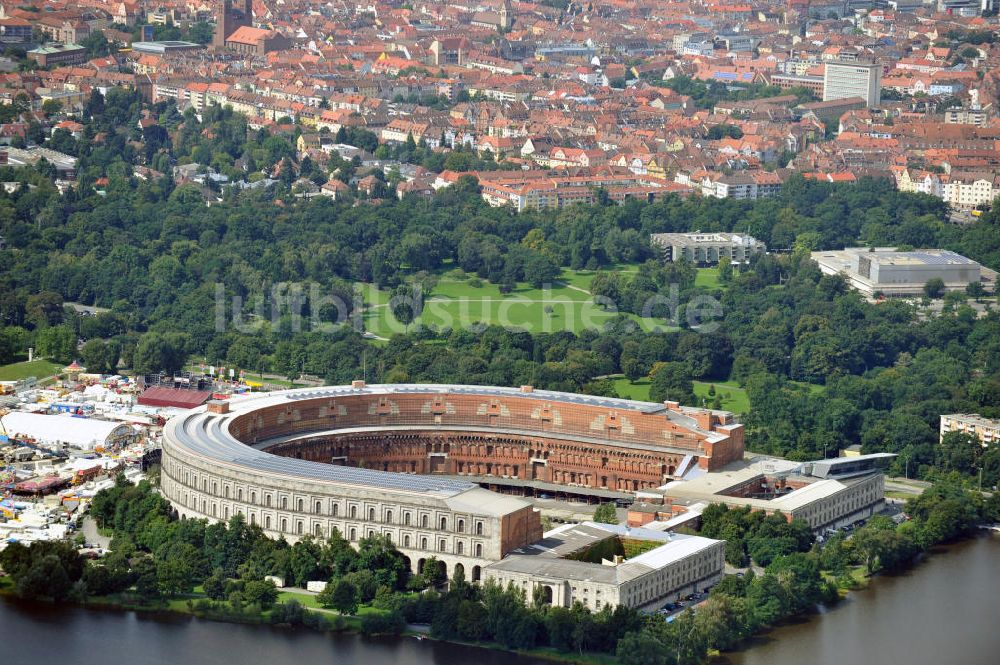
{"x":217,"y":572}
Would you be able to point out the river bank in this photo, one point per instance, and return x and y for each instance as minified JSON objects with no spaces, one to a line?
{"x":336,"y":624}
{"x":939,"y":611}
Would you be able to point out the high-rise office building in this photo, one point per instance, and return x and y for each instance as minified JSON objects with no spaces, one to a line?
{"x":853,"y":79}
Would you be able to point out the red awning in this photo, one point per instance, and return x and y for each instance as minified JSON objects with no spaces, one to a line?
{"x":175,"y":397}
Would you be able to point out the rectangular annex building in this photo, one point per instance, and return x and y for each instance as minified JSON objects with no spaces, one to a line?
{"x":611,"y":564}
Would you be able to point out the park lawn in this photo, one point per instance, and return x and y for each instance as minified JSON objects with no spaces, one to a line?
{"x":36,"y":368}
{"x":455,"y":303}
{"x":813,"y":388}
{"x":708,"y":278}
{"x":457,"y":289}
{"x":516,"y":313}
{"x":734,"y":398}
{"x":304,"y":599}
{"x":638,"y":390}
{"x":372,"y":295}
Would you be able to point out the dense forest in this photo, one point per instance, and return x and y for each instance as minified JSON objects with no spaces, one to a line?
{"x":823,"y":368}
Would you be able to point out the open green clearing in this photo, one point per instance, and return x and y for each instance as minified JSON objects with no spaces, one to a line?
{"x":37,"y":368}
{"x":708,"y":278}
{"x":734,"y":397}
{"x":465,"y":302}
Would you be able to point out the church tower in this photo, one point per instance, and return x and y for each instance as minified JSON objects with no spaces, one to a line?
{"x":233,"y":15}
{"x":506,"y":15}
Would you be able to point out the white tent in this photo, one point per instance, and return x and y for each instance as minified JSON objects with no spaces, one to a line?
{"x":84,"y":433}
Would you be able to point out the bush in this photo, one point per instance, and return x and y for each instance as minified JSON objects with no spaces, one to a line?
{"x":382,"y":623}
{"x":289,"y":612}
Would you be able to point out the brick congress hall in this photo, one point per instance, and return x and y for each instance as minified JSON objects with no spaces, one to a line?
{"x":519,"y":434}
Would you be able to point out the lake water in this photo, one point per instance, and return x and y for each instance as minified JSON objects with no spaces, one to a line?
{"x":943,"y":612}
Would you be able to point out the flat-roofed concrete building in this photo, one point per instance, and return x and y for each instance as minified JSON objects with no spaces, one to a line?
{"x":58,"y":54}
{"x":165,"y":47}
{"x":826,"y":494}
{"x":603,"y":564}
{"x":987,"y":430}
{"x":853,"y":79}
{"x":707,"y":248}
{"x":889,"y":272}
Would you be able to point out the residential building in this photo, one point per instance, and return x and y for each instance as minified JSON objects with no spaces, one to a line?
{"x":987,"y":430}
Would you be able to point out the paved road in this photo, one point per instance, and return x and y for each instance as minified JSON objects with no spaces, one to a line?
{"x":91,"y":534}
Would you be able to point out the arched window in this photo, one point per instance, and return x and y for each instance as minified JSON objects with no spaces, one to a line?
{"x":267,"y":500}
{"x":388,"y":516}
{"x":319,"y":507}
{"x":479,"y":528}
{"x":354,"y":534}
{"x":335,"y":509}
{"x":406,"y":541}
{"x":298,"y":505}
{"x":406,"y":519}
{"x":253,"y":497}
{"x":354,"y":512}
{"x":225,"y":491}
{"x":461,"y":526}
{"x":298,"y":528}
{"x":460,"y":548}
{"x":371,"y":514}
{"x":479,"y":549}
{"x":284,"y":525}
{"x":444,"y":523}
{"x":423,"y":543}
{"x":267,"y":521}
{"x":442,"y":544}
{"x":284,"y":503}
{"x":239,"y":494}
{"x":317,"y":530}
{"x":423,"y":521}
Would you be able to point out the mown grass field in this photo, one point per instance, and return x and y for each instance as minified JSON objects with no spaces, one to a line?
{"x":37,"y":368}
{"x":734,"y":398}
{"x":465,"y":302}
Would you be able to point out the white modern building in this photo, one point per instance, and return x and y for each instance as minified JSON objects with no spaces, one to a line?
{"x":890,"y":273}
{"x":853,"y":79}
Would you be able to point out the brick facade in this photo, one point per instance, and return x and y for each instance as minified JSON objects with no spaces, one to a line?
{"x":527,"y":437}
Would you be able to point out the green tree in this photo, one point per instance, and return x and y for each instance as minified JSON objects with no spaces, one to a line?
{"x":934,"y":288}
{"x":606,"y":513}
{"x":262,"y":593}
{"x":341,"y":595}
{"x":160,"y":352}
{"x":58,"y":343}
{"x":671,"y":381}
